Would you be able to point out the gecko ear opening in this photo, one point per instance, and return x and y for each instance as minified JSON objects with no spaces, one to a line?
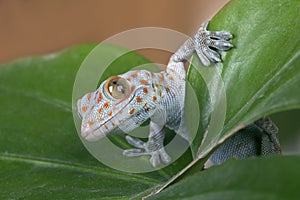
{"x":117,"y":87}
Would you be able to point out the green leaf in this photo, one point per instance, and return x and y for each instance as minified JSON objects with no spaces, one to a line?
{"x":42,"y":156}
{"x":268,"y":178}
{"x":259,"y":76}
{"x":40,"y":152}
{"x":39,"y":145}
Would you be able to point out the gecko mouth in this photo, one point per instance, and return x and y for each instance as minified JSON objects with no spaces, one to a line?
{"x":92,"y":134}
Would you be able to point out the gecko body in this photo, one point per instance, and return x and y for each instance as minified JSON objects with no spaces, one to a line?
{"x":126,"y":101}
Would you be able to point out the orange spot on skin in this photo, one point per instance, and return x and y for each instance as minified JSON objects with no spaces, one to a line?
{"x":128,"y":79}
{"x":101,"y":119}
{"x":84,"y":108}
{"x":145,"y":90}
{"x":154,"y":98}
{"x":89,"y":96}
{"x":160,"y":93}
{"x":167,"y":89}
{"x":90,"y":123}
{"x":161,"y":78}
{"x":113,"y":124}
{"x":134,"y":75}
{"x":172,"y":70}
{"x":105,"y":126}
{"x":105,"y":105}
{"x":131,"y":111}
{"x":144,"y":82}
{"x":139,"y":99}
{"x":171,"y":78}
{"x":96,"y":94}
{"x":99,"y":98}
{"x":109,"y":114}
{"x":100,"y":110}
{"x":132,"y":88}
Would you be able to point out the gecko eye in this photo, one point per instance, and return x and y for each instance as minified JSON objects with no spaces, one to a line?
{"x":117,"y":87}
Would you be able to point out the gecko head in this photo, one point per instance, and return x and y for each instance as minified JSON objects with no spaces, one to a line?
{"x":112,"y":105}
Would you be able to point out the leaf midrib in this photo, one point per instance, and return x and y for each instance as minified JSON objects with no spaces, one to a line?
{"x":55,"y":163}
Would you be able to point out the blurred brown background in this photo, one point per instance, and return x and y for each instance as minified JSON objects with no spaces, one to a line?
{"x":34,"y":27}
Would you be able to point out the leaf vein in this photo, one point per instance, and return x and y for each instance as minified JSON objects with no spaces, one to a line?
{"x":75,"y":166}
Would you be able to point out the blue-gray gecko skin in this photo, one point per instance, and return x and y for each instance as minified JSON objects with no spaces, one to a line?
{"x":257,"y":139}
{"x":126,"y":101}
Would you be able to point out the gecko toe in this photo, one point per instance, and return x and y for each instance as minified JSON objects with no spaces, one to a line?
{"x":135,"y":142}
{"x":164,"y":156}
{"x":155,"y":160}
{"x":134,"y":152}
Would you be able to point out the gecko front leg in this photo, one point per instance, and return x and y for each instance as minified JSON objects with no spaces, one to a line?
{"x":154,"y":147}
{"x":202,"y":43}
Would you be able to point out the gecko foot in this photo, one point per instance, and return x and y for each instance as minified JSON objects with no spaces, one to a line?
{"x":207,"y":41}
{"x":270,"y":142}
{"x":157,"y":152}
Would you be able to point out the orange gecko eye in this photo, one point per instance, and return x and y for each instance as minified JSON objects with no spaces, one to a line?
{"x":117,"y":87}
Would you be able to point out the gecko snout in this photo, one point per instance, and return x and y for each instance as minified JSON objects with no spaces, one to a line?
{"x":88,"y":133}
{"x":91,"y":134}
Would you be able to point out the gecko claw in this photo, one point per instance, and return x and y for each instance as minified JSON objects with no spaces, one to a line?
{"x":222,"y":45}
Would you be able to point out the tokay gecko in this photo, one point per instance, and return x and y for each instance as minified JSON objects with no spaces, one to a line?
{"x":126,"y":101}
